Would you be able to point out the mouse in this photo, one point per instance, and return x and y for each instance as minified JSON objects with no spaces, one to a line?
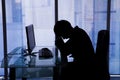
{"x":45,"y":53}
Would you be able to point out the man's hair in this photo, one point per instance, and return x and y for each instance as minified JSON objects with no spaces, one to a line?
{"x":61,"y":26}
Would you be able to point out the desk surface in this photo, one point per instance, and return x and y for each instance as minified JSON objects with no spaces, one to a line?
{"x":16,"y":59}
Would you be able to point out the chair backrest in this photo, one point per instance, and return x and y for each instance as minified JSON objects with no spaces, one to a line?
{"x":102,"y":55}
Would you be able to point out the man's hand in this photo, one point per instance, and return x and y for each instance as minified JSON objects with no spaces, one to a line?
{"x":59,"y":42}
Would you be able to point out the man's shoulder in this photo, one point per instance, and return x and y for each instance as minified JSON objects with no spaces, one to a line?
{"x":76,"y":28}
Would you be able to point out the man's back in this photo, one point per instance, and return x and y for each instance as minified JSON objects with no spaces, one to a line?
{"x":81,"y":45}
{"x":83,"y":53}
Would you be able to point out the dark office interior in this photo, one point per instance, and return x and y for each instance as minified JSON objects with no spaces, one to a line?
{"x":21,"y":47}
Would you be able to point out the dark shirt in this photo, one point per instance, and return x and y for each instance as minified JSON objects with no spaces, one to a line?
{"x":80,"y":46}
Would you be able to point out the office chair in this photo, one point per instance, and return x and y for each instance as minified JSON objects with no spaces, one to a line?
{"x":102,"y":55}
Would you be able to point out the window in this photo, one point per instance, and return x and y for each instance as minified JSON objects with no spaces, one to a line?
{"x":93,"y":18}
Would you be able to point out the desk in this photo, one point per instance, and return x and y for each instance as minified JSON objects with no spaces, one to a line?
{"x":24,"y":67}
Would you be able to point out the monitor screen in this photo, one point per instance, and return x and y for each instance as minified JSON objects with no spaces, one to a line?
{"x":30,"y":38}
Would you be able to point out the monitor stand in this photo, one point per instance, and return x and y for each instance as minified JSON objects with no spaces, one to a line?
{"x":27,"y":53}
{"x":30,"y":55}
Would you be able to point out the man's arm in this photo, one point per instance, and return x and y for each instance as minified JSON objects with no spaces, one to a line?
{"x":63,"y":47}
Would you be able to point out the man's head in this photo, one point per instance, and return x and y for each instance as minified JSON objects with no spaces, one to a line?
{"x":63,"y":28}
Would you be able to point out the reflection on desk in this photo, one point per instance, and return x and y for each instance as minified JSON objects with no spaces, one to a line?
{"x":30,"y":66}
{"x":16,"y":59}
{"x":36,"y":61}
{"x":44,"y":62}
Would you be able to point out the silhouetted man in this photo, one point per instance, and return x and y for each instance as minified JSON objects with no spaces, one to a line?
{"x":81,"y":48}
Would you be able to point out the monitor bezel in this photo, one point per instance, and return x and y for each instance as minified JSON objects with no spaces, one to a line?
{"x":30,"y":38}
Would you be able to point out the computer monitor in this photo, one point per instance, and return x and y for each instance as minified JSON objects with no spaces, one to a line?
{"x":30,"y":38}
